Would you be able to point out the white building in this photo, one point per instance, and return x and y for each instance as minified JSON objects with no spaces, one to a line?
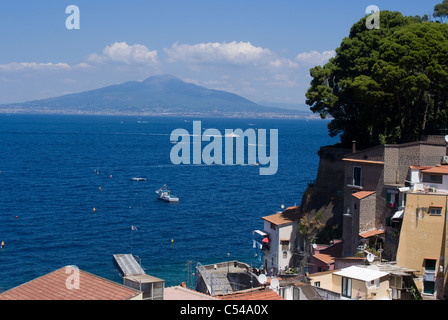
{"x":280,"y":235}
{"x":429,"y":179}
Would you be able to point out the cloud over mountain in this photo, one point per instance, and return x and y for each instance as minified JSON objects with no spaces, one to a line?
{"x":123,"y":53}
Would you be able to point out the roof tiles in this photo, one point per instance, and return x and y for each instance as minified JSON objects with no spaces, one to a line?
{"x":58,"y":285}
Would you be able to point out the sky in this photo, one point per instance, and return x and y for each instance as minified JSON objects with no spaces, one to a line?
{"x":259,"y":49}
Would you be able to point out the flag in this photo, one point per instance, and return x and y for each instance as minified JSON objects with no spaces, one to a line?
{"x":133,"y":228}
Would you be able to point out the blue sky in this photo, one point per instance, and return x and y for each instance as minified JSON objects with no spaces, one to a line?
{"x":260,"y":49}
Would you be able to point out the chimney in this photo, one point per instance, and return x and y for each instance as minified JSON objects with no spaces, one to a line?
{"x":354,"y":146}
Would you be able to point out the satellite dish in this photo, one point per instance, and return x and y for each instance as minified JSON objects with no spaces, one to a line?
{"x":446,"y":139}
{"x":274,"y":283}
{"x":370,"y":257}
{"x":314,"y":246}
{"x":283,"y":206}
{"x":262,"y":279}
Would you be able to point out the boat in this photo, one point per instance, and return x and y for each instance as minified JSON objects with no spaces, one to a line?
{"x":138,"y":179}
{"x":165,"y":195}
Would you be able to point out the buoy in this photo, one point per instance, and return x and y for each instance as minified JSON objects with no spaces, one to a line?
{"x":3,"y":244}
{"x":94,"y":209}
{"x":99,"y":188}
{"x":172,"y":241}
{"x":110,"y":176}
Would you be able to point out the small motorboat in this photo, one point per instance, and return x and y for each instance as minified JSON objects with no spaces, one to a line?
{"x":165,"y":195}
{"x":138,"y":179}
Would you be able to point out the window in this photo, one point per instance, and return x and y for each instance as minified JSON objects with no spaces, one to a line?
{"x":346,"y":287}
{"x":317,"y":284}
{"x":429,"y":276}
{"x":357,"y":176}
{"x":436,"y":211}
{"x":432,"y":178}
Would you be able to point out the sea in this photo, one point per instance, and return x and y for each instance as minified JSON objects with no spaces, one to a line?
{"x":67,"y":196}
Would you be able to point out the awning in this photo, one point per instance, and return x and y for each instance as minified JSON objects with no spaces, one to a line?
{"x":398,"y":215}
{"x":266,"y":240}
{"x":261,"y":233}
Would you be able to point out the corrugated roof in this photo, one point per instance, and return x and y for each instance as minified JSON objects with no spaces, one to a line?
{"x":363,"y":274}
{"x":291,"y":214}
{"x":53,"y":286}
{"x":256,"y":294}
{"x":363,"y":194}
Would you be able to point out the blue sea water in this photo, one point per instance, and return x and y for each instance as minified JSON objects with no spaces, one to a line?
{"x":56,"y":169}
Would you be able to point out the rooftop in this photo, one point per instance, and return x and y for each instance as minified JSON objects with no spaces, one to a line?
{"x":363,"y":194}
{"x":56,"y":286}
{"x":359,"y":273}
{"x":291,"y":214}
{"x":440,"y":169}
{"x":371,"y":233}
{"x":183,"y":293}
{"x":252,"y":294}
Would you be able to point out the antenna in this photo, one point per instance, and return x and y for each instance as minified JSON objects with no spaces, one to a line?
{"x":262,"y":279}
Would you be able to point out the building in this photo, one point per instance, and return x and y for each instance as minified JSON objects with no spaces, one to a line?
{"x":376,"y":181}
{"x":279,"y":236}
{"x":70,"y":283}
{"x":354,"y":282}
{"x":323,"y":256}
{"x":423,"y":241}
{"x":224,"y":278}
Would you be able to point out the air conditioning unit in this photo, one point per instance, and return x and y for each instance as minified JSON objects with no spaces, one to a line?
{"x":445,"y":160}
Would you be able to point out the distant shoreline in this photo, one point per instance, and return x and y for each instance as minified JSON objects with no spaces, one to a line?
{"x":230,"y":115}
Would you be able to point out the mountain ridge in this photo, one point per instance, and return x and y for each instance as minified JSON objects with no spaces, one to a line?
{"x":156,"y":95}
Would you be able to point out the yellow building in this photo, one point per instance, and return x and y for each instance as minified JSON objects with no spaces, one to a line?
{"x":422,"y":243}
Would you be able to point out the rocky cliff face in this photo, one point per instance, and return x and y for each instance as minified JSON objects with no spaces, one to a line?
{"x":324,"y":198}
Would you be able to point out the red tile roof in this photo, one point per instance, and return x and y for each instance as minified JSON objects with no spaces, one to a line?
{"x":437,"y":169}
{"x":362,"y":194}
{"x":291,"y":214}
{"x":53,"y":286}
{"x":325,"y":258}
{"x":371,"y":233}
{"x":256,"y":294}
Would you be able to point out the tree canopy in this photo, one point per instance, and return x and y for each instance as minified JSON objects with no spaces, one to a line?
{"x":385,"y":85}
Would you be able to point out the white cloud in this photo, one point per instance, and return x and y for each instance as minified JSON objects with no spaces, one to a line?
{"x":24,"y":66}
{"x":238,"y":53}
{"x":315,"y":57}
{"x":121,"y":52}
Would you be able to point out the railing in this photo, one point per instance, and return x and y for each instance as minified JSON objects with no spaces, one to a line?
{"x":215,"y":284}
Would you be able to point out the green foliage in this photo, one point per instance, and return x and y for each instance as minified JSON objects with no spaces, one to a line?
{"x":385,"y":85}
{"x":441,"y":10}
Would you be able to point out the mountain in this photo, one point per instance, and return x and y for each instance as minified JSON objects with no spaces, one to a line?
{"x":157,"y":95}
